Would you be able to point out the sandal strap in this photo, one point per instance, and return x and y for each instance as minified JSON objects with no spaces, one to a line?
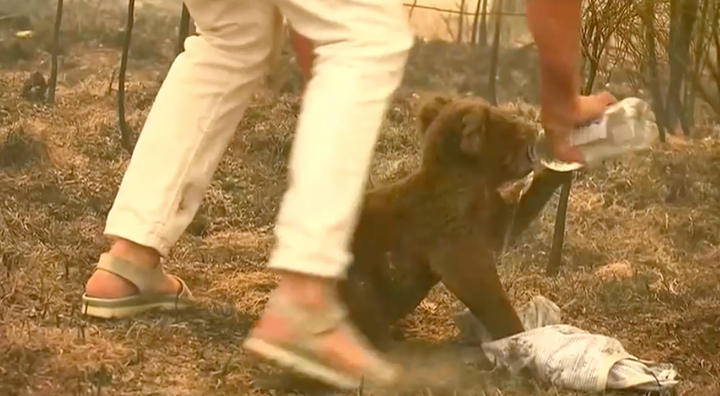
{"x":144,"y":277}
{"x":311,"y":325}
{"x":314,"y":322}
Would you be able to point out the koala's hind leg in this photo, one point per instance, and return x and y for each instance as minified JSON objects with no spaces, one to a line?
{"x":380,"y":294}
{"x":366,"y":308}
{"x":411,"y":283}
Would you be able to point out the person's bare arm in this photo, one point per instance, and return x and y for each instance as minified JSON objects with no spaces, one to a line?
{"x":555,"y":25}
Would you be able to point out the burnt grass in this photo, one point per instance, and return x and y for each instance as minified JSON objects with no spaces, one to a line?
{"x":641,"y":261}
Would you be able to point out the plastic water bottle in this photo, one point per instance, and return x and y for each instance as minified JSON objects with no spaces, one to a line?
{"x":627,"y":126}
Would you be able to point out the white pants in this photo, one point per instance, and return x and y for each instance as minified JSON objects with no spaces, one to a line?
{"x":361,"y":50}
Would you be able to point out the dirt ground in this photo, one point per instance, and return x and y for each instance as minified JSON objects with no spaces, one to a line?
{"x":642,"y":258}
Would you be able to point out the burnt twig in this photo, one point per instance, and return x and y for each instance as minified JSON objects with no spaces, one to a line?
{"x":559,"y":233}
{"x":52,"y":84}
{"x":495,"y":56}
{"x":125,"y":133}
{"x":183,"y":29}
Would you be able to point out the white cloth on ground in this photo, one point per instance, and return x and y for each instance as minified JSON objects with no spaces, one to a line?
{"x":566,"y":356}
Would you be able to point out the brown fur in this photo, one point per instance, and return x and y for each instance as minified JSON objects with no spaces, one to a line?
{"x":446,"y":222}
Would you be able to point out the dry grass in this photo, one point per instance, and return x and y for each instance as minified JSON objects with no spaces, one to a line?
{"x":653,"y":220}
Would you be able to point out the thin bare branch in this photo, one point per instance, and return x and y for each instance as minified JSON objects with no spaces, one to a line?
{"x":52,"y":84}
{"x":125,"y":133}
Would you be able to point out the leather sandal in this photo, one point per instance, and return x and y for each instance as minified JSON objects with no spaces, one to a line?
{"x":304,"y":353}
{"x":145,"y":278}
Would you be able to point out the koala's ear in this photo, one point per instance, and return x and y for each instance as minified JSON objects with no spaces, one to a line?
{"x":473,"y":132}
{"x":429,"y":111}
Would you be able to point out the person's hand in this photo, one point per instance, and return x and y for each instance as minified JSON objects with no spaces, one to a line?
{"x":558,"y":124}
{"x":591,"y":108}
